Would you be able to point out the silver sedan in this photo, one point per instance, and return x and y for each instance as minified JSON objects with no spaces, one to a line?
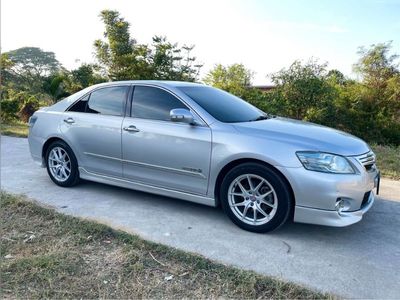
{"x":201,"y":144}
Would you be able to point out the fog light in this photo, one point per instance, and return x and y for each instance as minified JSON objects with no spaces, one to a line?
{"x":342,"y":205}
{"x":339,"y":205}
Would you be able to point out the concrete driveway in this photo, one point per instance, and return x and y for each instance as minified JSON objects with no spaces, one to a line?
{"x":360,"y":261}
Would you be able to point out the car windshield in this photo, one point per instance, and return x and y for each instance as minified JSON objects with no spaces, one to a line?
{"x":223,"y":106}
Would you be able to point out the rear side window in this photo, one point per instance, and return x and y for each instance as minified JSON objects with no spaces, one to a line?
{"x":108,"y":101}
{"x":105,"y":101}
{"x":81,"y":105}
{"x":153,"y":103}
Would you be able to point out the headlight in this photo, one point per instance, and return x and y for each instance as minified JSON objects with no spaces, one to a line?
{"x":325,"y":162}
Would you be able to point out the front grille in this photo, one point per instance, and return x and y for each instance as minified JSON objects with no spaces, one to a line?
{"x":367,"y":160}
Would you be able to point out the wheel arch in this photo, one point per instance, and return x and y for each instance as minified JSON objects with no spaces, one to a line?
{"x":240,"y":161}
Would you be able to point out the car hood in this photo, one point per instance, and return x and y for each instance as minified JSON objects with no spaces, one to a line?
{"x":305,"y":136}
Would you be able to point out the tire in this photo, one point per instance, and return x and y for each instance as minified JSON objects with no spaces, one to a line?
{"x":58,"y":168}
{"x":268,"y":200}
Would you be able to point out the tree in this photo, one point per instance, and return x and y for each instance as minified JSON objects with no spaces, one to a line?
{"x":122,"y":58}
{"x":375,"y":102}
{"x":235,"y":79}
{"x":6,"y":65}
{"x":29,"y":65}
{"x":169,"y":62}
{"x":57,"y":85}
{"x":336,"y":77}
{"x":376,"y":66}
{"x":116,"y":54}
{"x":86,"y":75}
{"x":305,"y":91}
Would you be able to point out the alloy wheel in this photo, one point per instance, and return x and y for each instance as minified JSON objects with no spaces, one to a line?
{"x":59,"y":164}
{"x":252,"y":199}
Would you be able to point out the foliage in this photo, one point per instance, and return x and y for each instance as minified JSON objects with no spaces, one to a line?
{"x":122,"y":58}
{"x":28,"y":108}
{"x":9,"y":109}
{"x":54,"y":86}
{"x":33,"y":61}
{"x":376,"y":65}
{"x":116,"y":55}
{"x":369,"y":108}
{"x":11,"y":105}
{"x":18,"y":105}
{"x":64,"y":83}
{"x":388,"y":160}
{"x":6,"y":65}
{"x":234,"y":79}
{"x":169,"y":62}
{"x":305,"y":92}
{"x":373,"y":104}
{"x":84,"y":76}
{"x":26,"y":67}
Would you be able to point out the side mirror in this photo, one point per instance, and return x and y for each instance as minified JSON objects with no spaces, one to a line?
{"x":182,"y":115}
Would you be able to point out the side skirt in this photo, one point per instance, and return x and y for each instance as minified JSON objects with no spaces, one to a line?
{"x":84,"y":174}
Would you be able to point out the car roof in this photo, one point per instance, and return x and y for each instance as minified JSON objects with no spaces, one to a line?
{"x":164,"y":83}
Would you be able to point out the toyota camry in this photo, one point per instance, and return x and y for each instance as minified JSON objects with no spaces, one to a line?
{"x":201,"y":144}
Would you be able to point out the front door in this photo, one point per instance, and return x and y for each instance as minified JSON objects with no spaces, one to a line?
{"x":158,"y":152}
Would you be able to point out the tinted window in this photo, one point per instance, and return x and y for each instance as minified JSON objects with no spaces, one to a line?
{"x":108,"y":101}
{"x":80,"y":106}
{"x":153,"y":103}
{"x":221,"y":105}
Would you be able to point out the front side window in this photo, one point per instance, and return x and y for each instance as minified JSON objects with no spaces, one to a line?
{"x":153,"y":103}
{"x":108,"y":101}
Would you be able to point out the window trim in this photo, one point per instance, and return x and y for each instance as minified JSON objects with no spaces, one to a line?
{"x":131,"y":101}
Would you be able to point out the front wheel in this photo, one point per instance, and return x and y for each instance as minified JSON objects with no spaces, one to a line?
{"x":61,"y":164}
{"x":255,"y":197}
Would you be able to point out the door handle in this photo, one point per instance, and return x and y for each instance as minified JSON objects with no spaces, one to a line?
{"x":131,"y":128}
{"x":69,"y":120}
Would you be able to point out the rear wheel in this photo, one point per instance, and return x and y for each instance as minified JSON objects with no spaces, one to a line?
{"x":255,"y":197}
{"x":61,"y":164}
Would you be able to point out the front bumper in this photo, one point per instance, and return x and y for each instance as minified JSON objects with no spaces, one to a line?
{"x":317,"y":195}
{"x":331,"y":217}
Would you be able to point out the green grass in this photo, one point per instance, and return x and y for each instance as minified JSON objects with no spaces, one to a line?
{"x":388,"y":160}
{"x":388,"y":156}
{"x":45,"y":254}
{"x":15,"y":128}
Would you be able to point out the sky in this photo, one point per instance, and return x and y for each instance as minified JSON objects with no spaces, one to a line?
{"x":265,"y":36}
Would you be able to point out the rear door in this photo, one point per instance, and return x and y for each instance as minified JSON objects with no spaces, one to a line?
{"x":162,"y":153}
{"x":93,"y":127}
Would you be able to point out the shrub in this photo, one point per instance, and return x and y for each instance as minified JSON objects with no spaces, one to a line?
{"x":9,"y":109}
{"x":28,"y":108}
